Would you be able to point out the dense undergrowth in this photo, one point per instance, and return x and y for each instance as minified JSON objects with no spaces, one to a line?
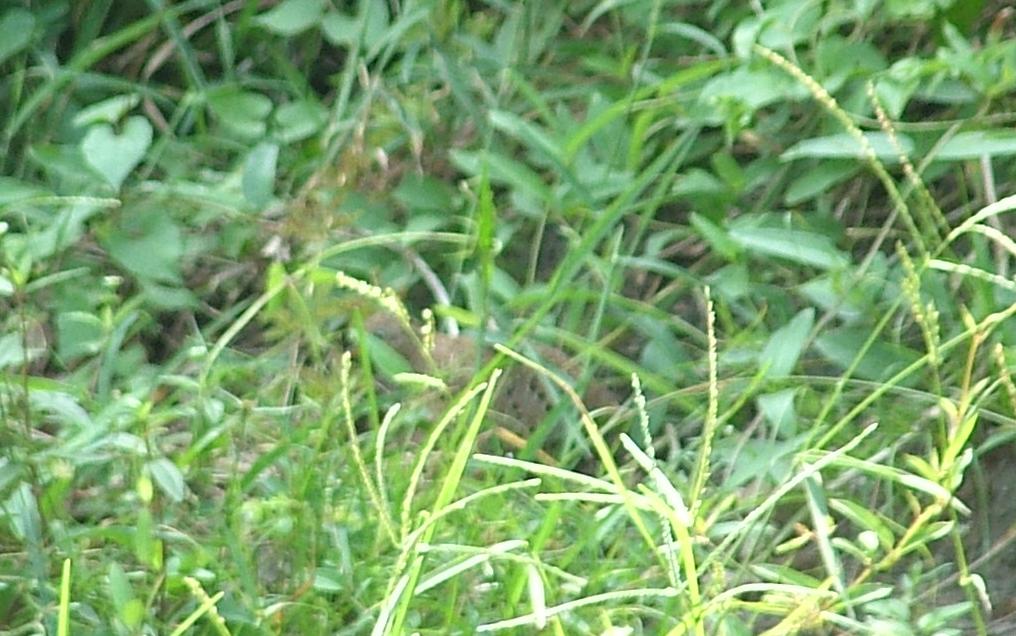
{"x":773,"y":238}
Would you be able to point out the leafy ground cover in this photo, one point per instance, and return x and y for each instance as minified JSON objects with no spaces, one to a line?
{"x":446,"y":317}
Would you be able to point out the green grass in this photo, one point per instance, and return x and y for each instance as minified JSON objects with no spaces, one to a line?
{"x":778,"y":234}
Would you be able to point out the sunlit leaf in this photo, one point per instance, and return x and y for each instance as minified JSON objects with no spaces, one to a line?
{"x":259,"y":174}
{"x":796,"y":245}
{"x":785,"y":345}
{"x":976,"y":144}
{"x":290,"y":17}
{"x":168,"y":478}
{"x":844,"y":145}
{"x":115,"y":155}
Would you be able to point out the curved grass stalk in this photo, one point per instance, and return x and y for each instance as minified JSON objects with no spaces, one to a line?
{"x":709,"y":428}
{"x":372,"y":489}
{"x":829,"y":102}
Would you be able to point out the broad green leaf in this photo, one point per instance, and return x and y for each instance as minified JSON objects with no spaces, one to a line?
{"x":716,"y":237}
{"x":701,"y":186}
{"x":778,"y":410}
{"x":840,"y":58}
{"x":696,"y":34}
{"x":913,"y":9}
{"x":243,"y":112}
{"x":931,"y":532}
{"x":329,"y":580}
{"x":828,"y":292}
{"x":13,"y":190}
{"x":231,"y":102}
{"x":943,"y":618}
{"x":881,"y":361}
{"x":119,"y":587}
{"x":745,"y":36}
{"x":799,"y":246}
{"x":385,"y":358}
{"x":896,"y":475}
{"x":166,"y":297}
{"x":168,"y":478}
{"x":958,"y":441}
{"x":949,"y":91}
{"x":503,"y":170}
{"x":9,"y":473}
{"x":819,"y":179}
{"x":108,"y":111}
{"x":732,"y":281}
{"x":663,"y":352}
{"x":65,"y":163}
{"x":964,"y":14}
{"x":787,"y":24}
{"x":62,"y":406}
{"x":149,"y":245}
{"x":844,"y":145}
{"x":785,"y":345}
{"x":292,"y":16}
{"x":374,"y":13}
{"x":977,"y":143}
{"x":422,"y":192}
{"x":132,"y":613}
{"x":729,"y":170}
{"x":864,"y":519}
{"x":64,"y":230}
{"x":609,"y":114}
{"x":758,"y":458}
{"x":340,"y":29}
{"x":784,"y":574}
{"x":79,"y":333}
{"x":259,"y":174}
{"x":128,"y":608}
{"x":754,"y":88}
{"x":502,"y":285}
{"x":894,"y":94}
{"x":528,"y":133}
{"x":298,"y":120}
{"x":115,"y":156}
{"x":380,"y":32}
{"x":891,"y":626}
{"x":147,"y":548}
{"x":12,"y":354}
{"x":16,"y":28}
{"x":22,"y":514}
{"x":125,"y":442}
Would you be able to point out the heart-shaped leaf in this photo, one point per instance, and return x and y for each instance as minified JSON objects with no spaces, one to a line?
{"x":113,"y":155}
